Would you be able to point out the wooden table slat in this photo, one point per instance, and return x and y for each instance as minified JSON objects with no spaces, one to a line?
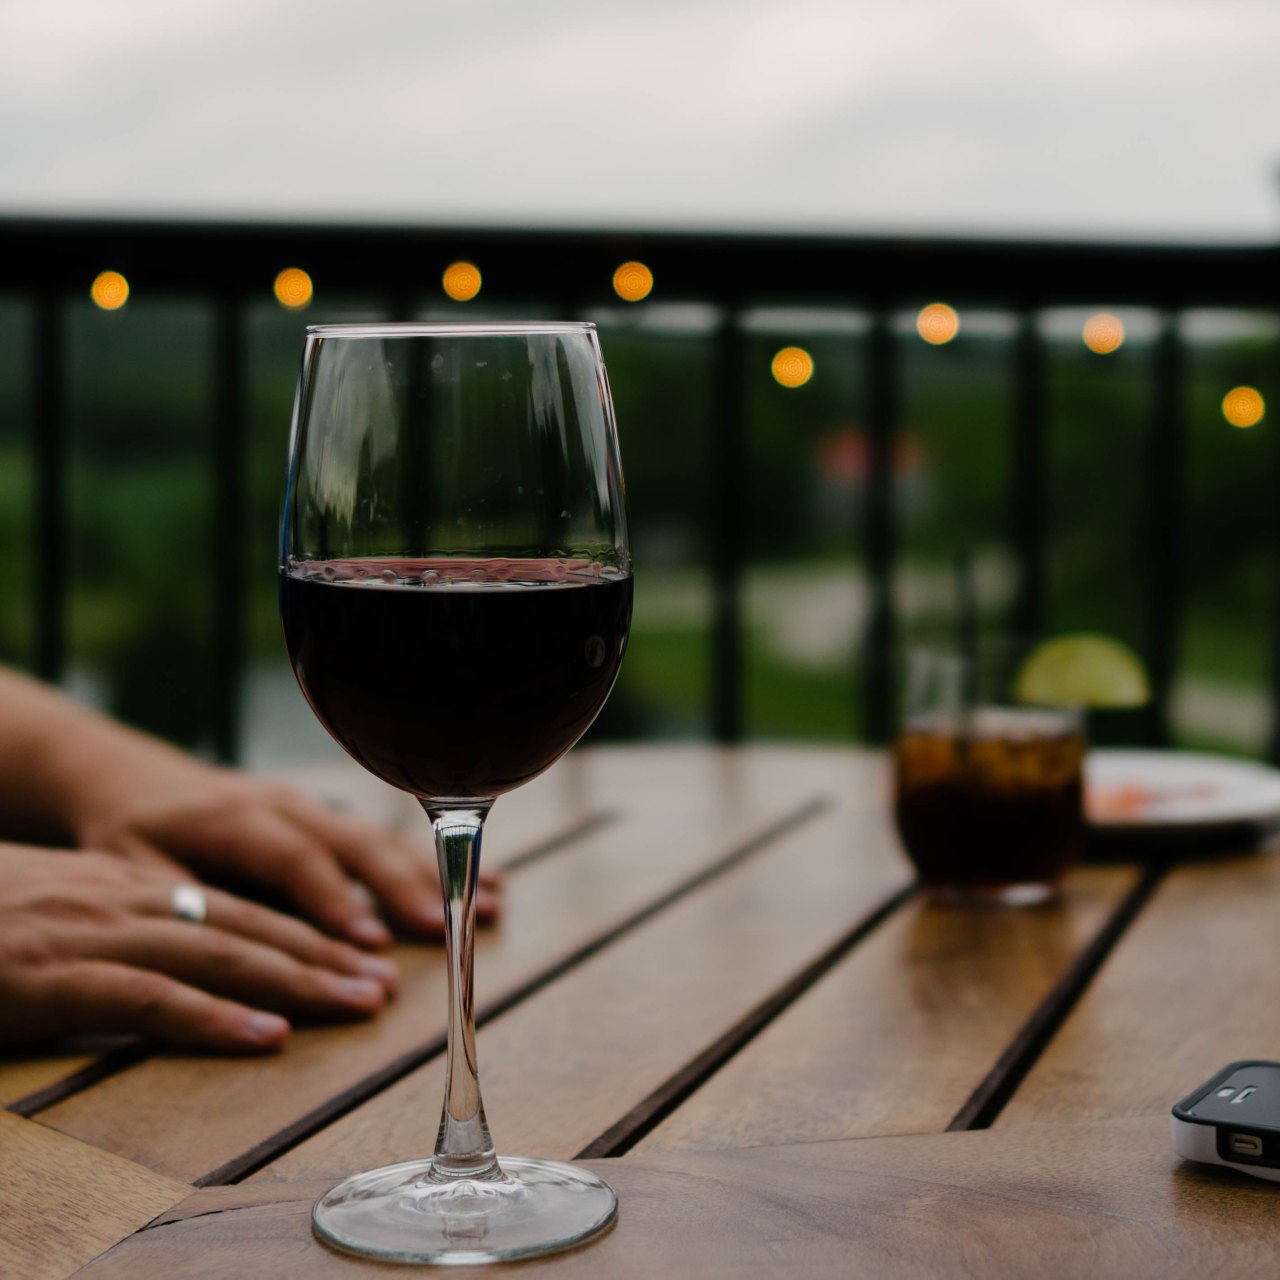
{"x":897,"y":1037}
{"x":1192,"y":986}
{"x":1107,"y":1200}
{"x":62,"y":1203}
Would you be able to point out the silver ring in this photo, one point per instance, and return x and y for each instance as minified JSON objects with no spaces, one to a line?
{"x":189,"y":903}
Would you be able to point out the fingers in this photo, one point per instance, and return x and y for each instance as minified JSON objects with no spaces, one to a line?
{"x":95,"y":995}
{"x":402,"y":876}
{"x":242,"y":950}
{"x":89,"y":941}
{"x":229,"y":965}
{"x":335,"y":869}
{"x":291,"y":936}
{"x":290,"y":858}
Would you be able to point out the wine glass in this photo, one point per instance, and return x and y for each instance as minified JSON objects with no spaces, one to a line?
{"x":455,"y":586}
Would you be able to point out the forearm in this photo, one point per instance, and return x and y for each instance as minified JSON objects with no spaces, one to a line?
{"x":56,"y":756}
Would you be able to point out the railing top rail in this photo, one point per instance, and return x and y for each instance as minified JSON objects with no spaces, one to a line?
{"x":58,"y":255}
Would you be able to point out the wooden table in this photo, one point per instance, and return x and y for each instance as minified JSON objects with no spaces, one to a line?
{"x":715,"y":985}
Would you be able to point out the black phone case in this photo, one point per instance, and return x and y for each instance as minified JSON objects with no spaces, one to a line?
{"x":1258,"y":1115}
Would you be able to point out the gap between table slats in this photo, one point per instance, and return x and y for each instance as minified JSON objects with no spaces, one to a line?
{"x":990,"y":1097}
{"x":1193,"y":986}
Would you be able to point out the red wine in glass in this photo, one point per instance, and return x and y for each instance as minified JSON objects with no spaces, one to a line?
{"x":456,"y":678}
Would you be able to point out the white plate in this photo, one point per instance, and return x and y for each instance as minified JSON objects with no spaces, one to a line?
{"x":1154,"y":790}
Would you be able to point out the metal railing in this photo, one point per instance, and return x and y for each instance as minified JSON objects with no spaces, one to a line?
{"x":49,"y":261}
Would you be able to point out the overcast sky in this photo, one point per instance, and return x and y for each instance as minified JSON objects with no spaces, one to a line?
{"x":1088,"y":118}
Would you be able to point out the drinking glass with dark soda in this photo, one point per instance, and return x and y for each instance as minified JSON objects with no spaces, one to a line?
{"x":988,"y":794}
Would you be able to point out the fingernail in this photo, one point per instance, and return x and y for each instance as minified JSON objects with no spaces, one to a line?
{"x":358,"y":990}
{"x":377,"y":967}
{"x":265,"y":1028}
{"x":369,"y":930}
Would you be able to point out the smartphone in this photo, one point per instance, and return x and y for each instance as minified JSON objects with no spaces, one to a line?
{"x":1233,"y":1120}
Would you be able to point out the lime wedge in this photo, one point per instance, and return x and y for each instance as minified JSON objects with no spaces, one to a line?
{"x":1082,"y":671}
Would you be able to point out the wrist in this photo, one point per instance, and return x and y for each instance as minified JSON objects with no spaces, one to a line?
{"x":67,"y":773}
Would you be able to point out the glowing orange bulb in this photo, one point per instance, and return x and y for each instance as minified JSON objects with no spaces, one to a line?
{"x":1103,"y":333}
{"x":293,"y":288}
{"x":792,"y":366}
{"x":461,"y":281}
{"x":110,"y":290}
{"x":937,"y":323}
{"x":1243,"y":407}
{"x":633,"y":281}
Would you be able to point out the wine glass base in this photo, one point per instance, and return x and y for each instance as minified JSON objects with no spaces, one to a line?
{"x":400,"y":1213}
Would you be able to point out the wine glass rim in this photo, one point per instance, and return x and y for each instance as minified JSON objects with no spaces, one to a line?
{"x":448,"y":328}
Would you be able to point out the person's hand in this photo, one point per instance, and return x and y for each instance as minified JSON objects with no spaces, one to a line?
{"x":91,"y":942}
{"x":166,"y":808}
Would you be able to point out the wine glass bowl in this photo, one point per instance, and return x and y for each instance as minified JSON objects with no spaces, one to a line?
{"x":456,"y":594}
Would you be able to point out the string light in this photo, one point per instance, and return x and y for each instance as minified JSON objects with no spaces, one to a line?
{"x":937,"y":323}
{"x":1103,"y":333}
{"x":293,"y":288}
{"x":1243,"y":406}
{"x":110,"y":290}
{"x":461,"y":281}
{"x":792,"y":367}
{"x":633,"y":281}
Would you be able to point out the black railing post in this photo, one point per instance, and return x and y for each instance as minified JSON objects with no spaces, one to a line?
{"x":228,"y":552}
{"x":1165,"y":518}
{"x":727,"y":476}
{"x":879,"y":533}
{"x":49,"y":571}
{"x":1027,"y":479}
{"x":1273,"y":745}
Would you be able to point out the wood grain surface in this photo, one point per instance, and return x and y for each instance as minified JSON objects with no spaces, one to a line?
{"x":710,"y":966}
{"x":898,"y":1036}
{"x":584,"y":1053}
{"x":62,"y":1203}
{"x":1103,"y":1200}
{"x":681,"y":815}
{"x":1193,"y":985}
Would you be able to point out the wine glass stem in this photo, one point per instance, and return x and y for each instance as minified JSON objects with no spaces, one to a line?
{"x":463,"y":1146}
